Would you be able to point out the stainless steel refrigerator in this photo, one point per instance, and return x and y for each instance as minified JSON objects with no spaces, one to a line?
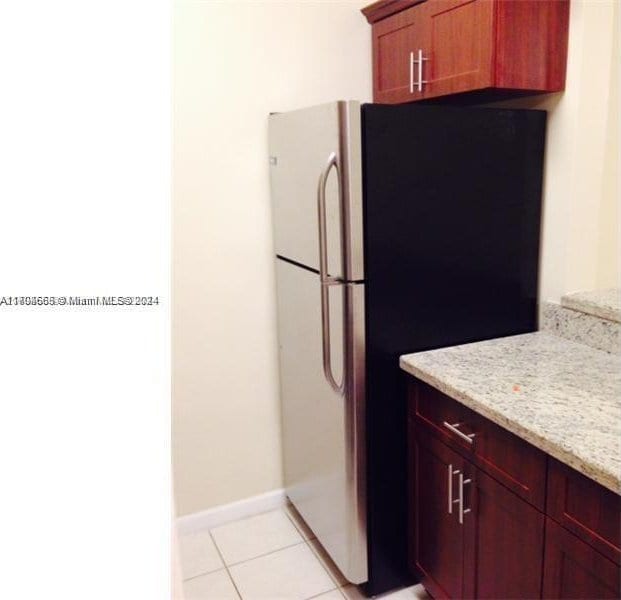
{"x":396,"y":229}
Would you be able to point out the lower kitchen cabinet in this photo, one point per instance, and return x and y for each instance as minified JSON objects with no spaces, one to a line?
{"x":482,"y":524}
{"x":473,"y":538}
{"x":507,"y":546}
{"x":573,"y":569}
{"x":439,"y":537}
{"x":585,"y":508}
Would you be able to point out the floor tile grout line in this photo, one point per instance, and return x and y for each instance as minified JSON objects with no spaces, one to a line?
{"x":241,"y":562}
{"x":213,"y":540}
{"x":252,"y":516}
{"x":308,"y":542}
{"x":338,"y":585}
{"x":222,"y":568}
{"x":239,"y":594}
{"x":336,"y":589}
{"x":292,"y":521}
{"x":210,"y":571}
{"x":303,"y":540}
{"x":298,"y":529}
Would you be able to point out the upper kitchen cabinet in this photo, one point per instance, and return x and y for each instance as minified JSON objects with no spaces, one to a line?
{"x":479,"y":49}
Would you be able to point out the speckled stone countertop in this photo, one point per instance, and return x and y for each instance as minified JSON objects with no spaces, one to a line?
{"x":561,"y":396}
{"x":605,"y":304}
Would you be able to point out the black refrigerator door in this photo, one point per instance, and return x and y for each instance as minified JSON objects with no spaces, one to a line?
{"x":452,"y":204}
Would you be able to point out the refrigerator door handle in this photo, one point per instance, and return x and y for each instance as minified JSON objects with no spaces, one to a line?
{"x":325,"y":279}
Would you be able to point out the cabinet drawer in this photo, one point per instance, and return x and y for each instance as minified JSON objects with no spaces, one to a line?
{"x":503,"y":455}
{"x":587,"y":509}
{"x":511,"y":460}
{"x":444,"y":416}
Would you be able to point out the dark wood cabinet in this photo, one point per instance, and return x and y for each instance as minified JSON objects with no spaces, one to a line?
{"x":573,"y":569}
{"x":396,"y":42}
{"x":459,"y":45}
{"x":466,"y":527}
{"x":439,"y":537}
{"x":515,"y":463}
{"x":507,"y":545}
{"x":485,"y":524}
{"x":586,"y":509}
{"x":484,"y":48}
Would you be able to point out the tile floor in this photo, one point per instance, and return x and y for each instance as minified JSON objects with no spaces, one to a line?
{"x":271,"y":556}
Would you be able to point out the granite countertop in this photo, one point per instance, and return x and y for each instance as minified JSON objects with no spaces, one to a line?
{"x":561,"y":396}
{"x":605,"y":304}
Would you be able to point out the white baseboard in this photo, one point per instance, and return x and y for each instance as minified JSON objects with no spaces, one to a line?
{"x":218,"y":515}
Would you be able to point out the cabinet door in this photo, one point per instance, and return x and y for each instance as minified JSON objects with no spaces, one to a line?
{"x":573,"y":569}
{"x":587,"y":509}
{"x":438,"y":536}
{"x":504,"y":557}
{"x":460,"y":46}
{"x":396,"y":40}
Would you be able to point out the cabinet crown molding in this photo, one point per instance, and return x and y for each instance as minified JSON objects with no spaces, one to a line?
{"x":384,"y":8}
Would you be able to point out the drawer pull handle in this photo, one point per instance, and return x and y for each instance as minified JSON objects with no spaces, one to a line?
{"x":468,"y":438}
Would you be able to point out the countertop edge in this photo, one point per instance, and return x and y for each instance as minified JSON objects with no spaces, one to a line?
{"x":604,"y":478}
{"x":602,"y":303}
{"x":589,"y":307}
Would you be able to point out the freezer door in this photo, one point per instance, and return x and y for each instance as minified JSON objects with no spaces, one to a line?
{"x":314,"y":148}
{"x":323,"y":428}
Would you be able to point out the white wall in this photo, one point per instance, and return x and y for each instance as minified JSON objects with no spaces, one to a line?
{"x":235,"y":62}
{"x":581,"y":246}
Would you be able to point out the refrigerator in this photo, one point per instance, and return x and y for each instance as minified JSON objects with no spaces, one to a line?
{"x":397,"y":229}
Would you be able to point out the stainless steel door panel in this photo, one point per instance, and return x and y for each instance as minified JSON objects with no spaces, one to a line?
{"x":301,"y":142}
{"x":300,"y":145}
{"x":323,"y":430}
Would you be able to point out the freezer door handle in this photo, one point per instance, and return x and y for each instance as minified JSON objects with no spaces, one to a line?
{"x":325,"y":279}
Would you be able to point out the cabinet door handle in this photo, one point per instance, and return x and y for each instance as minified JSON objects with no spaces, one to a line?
{"x":466,"y":437}
{"x":451,"y":474}
{"x":462,"y":511}
{"x":419,"y":60}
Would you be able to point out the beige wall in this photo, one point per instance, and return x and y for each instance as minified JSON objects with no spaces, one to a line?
{"x":609,"y":249}
{"x":581,"y":243}
{"x":234,"y":62}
